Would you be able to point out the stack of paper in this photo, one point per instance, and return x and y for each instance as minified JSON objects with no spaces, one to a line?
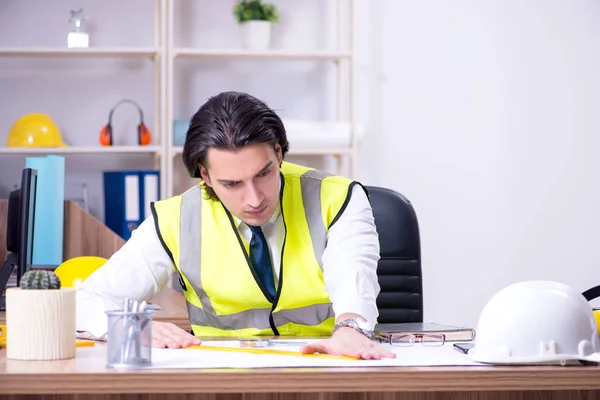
{"x":309,"y":134}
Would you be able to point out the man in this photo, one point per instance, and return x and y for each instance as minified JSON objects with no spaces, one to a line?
{"x":261,"y":246}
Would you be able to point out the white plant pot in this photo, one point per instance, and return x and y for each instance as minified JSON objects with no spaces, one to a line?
{"x":40,"y":324}
{"x":256,"y":35}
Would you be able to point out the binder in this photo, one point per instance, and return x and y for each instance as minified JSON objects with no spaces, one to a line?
{"x":127,"y":199}
{"x":150,"y":181}
{"x":48,"y":225}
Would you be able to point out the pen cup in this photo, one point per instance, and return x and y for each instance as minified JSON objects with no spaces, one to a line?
{"x":129,"y":339}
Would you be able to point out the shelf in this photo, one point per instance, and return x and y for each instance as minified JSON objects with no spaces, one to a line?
{"x":320,"y":152}
{"x":294,"y":152}
{"x":78,"y":52}
{"x":311,"y":140}
{"x":80,"y":150}
{"x":269,"y":54}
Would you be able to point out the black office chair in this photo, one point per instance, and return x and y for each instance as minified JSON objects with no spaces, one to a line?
{"x":399,"y":268}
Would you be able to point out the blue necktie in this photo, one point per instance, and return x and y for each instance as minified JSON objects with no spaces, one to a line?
{"x":261,"y":259}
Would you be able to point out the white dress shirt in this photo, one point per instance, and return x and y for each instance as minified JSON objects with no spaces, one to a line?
{"x":142,"y":267}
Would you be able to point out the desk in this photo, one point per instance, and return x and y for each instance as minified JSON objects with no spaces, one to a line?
{"x":173,"y":309}
{"x":86,"y":377}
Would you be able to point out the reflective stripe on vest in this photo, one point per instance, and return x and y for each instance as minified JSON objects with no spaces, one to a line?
{"x":190,"y":264}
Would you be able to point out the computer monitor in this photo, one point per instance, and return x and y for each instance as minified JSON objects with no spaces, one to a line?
{"x":19,"y":229}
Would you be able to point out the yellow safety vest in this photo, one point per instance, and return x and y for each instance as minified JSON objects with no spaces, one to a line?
{"x":223,"y":297}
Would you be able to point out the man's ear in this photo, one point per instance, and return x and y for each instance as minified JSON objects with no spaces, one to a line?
{"x":204,"y":175}
{"x":279,"y":154}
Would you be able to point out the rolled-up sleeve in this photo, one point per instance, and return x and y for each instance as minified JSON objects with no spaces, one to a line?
{"x":350,"y":260}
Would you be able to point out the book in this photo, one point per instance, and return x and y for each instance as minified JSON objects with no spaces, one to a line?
{"x":452,"y":333}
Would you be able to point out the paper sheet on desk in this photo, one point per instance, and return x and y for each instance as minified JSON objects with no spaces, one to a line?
{"x":416,"y":355}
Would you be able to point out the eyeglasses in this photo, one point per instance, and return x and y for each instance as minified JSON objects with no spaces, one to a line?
{"x":407,"y":340}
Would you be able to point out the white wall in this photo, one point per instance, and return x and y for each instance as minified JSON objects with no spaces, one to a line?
{"x":489,"y":124}
{"x":482,"y":113}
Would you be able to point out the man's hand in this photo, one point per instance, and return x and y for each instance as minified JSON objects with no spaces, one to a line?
{"x":348,"y":342}
{"x":166,"y":334}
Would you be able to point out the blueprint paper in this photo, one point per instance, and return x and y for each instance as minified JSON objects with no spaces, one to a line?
{"x":416,"y":355}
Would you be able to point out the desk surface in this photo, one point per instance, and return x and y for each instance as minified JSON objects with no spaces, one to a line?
{"x":88,"y":374}
{"x":87,"y":377}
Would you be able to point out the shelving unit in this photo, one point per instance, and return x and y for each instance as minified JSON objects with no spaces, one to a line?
{"x":164,"y":53}
{"x":155,"y":53}
{"x":342,"y":55}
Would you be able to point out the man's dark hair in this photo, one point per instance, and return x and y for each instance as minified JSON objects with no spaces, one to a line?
{"x":230,"y":121}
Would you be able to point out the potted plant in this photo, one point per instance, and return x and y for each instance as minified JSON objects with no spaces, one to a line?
{"x":40,"y":318}
{"x":255,"y":18}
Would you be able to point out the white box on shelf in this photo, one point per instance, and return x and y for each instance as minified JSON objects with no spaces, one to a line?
{"x":78,"y":40}
{"x":304,"y":134}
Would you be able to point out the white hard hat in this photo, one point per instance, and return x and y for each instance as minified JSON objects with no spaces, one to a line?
{"x":536,"y":322}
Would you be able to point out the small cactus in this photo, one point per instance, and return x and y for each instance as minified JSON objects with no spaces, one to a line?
{"x":40,"y":279}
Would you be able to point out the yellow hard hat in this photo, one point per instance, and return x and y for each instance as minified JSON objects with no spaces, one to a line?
{"x":75,"y":270}
{"x":34,"y":130}
{"x":597,"y":318}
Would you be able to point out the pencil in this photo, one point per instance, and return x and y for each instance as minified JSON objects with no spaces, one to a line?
{"x":270,"y":351}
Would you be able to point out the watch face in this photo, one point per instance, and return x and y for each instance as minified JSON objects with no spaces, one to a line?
{"x":363,"y":324}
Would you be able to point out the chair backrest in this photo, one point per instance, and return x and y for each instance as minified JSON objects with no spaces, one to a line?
{"x":399,"y":268}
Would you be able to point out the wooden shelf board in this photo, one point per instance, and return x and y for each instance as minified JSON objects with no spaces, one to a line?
{"x":78,"y":52}
{"x":271,"y":54}
{"x":79,"y":150}
{"x":294,"y":152}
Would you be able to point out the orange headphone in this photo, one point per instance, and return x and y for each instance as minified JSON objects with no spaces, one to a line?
{"x":144,"y":135}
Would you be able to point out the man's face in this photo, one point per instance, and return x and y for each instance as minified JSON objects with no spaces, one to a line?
{"x":246,"y":181}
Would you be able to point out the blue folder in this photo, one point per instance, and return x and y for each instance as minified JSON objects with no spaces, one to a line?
{"x":127,"y":198}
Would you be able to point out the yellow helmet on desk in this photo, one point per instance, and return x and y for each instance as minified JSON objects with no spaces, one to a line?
{"x":34,"y":130}
{"x":75,"y":270}
{"x":592,"y":294}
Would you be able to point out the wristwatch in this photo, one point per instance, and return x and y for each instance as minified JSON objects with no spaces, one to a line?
{"x":359,"y":324}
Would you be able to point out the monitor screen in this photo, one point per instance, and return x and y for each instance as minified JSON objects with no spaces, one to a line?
{"x":19,"y":229}
{"x":26,"y":219}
